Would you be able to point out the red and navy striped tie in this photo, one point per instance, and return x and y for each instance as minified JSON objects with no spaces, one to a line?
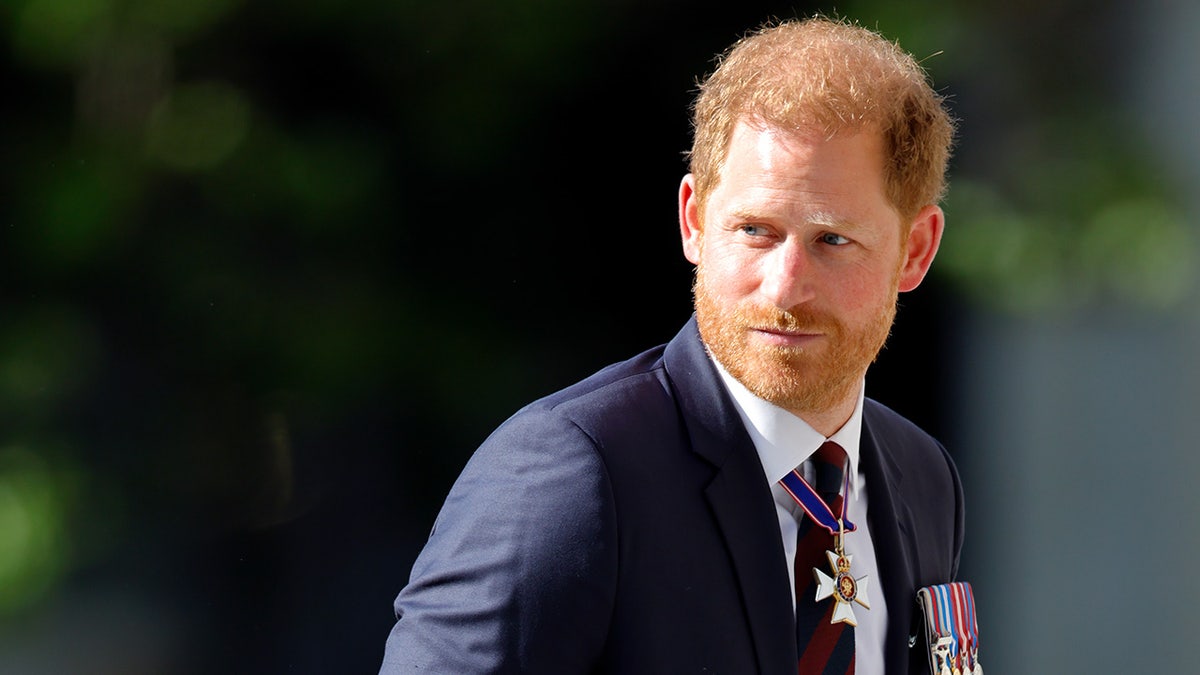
{"x":825,"y":648}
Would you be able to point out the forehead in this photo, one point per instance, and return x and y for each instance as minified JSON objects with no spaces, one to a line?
{"x":752,"y":136}
{"x":773,"y":166}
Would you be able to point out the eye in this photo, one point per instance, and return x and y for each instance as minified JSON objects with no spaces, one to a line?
{"x":754,"y":230}
{"x":834,"y":239}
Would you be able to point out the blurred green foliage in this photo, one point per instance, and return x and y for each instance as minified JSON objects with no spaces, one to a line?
{"x":38,"y":500}
{"x":214,"y":251}
{"x":197,"y":126}
{"x":1058,"y":200}
{"x":31,"y":519}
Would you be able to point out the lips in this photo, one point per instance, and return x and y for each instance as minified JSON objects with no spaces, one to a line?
{"x":787,"y":332}
{"x":779,"y":337}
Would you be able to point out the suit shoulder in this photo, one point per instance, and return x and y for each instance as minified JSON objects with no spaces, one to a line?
{"x":908,"y":446}
{"x":898,"y":427}
{"x":931,"y":484}
{"x":610,"y":415}
{"x":611,"y":391}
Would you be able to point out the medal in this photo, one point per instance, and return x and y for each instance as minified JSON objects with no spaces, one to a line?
{"x":844,"y":588}
{"x":952,"y":628}
{"x":842,"y":585}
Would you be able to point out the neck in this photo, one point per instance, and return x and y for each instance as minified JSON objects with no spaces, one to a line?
{"x":829,"y":419}
{"x":828,"y":422}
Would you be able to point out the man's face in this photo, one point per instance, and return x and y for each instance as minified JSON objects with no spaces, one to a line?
{"x":799,"y":259}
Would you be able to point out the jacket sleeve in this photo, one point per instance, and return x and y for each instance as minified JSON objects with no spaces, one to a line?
{"x":519,"y":573}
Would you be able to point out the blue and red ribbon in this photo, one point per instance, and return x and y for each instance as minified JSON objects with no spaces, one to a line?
{"x":950,"y":611}
{"x":814,"y":506}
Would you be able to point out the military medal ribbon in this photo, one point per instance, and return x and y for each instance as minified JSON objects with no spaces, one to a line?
{"x":815,"y":507}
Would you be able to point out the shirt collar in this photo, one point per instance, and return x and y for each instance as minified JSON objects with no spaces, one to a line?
{"x":783,"y":440}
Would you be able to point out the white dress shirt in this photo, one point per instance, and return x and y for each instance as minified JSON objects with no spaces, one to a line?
{"x":784,"y":442}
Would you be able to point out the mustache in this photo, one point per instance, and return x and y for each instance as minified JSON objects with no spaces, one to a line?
{"x":800,"y":318}
{"x":796,"y":319}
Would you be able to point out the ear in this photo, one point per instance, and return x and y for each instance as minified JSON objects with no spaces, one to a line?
{"x":689,"y":220}
{"x":924,"y":237}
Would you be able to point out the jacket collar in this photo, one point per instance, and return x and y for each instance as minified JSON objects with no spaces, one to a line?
{"x":740,"y":499}
{"x":891,"y":535}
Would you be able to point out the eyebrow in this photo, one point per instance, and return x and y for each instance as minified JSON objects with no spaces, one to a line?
{"x":820,"y":218}
{"x":831,"y":221}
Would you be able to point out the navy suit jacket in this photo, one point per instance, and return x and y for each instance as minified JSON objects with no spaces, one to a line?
{"x":624,"y":525}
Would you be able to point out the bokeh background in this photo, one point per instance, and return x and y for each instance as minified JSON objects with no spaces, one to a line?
{"x":269,"y":272}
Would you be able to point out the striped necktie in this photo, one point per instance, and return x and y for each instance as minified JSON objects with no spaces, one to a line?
{"x":825,"y":648}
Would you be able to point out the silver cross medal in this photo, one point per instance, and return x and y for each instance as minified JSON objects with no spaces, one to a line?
{"x":845,"y":589}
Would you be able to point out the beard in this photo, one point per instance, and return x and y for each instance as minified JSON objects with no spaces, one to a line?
{"x":798,"y":379}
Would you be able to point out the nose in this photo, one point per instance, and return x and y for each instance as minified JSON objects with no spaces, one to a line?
{"x":787,"y":276}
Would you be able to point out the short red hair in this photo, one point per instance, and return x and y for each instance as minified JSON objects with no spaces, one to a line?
{"x":830,"y":77}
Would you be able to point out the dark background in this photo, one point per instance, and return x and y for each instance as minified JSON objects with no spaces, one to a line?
{"x":269,"y":272}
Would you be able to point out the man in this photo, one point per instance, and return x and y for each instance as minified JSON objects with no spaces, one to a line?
{"x":635,"y":522}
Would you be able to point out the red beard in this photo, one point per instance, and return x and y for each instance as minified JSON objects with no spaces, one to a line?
{"x":797,"y":379}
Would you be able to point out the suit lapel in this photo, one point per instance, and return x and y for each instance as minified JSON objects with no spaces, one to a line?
{"x":740,"y":499}
{"x":891,"y":534}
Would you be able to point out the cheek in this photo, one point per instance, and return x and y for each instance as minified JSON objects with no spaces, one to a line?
{"x":730,"y":274}
{"x":864,"y":292}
